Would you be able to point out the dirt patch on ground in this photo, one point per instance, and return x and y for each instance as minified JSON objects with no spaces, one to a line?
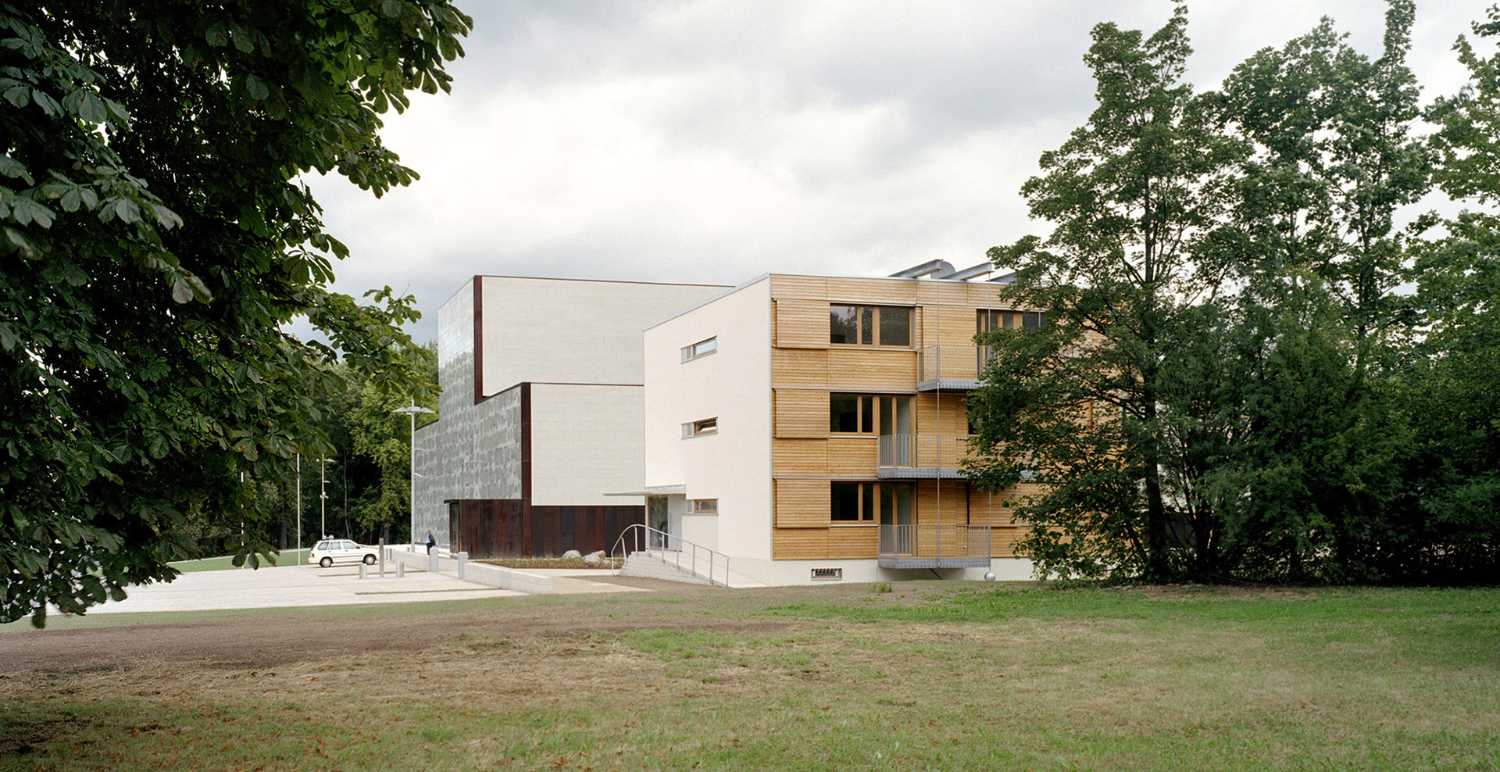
{"x":269,"y":640}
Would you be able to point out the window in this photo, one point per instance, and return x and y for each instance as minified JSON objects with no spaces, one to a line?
{"x":857,"y":503}
{"x":846,"y":501}
{"x":869,"y":325}
{"x":842,"y":324}
{"x":700,"y":427}
{"x":895,"y":326}
{"x":705,"y":506}
{"x":990,"y":320}
{"x":849,"y":413}
{"x":856,"y":413}
{"x":700,"y":349}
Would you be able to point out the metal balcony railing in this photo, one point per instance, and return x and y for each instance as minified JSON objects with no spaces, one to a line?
{"x":935,"y":545}
{"x":940,"y":455}
{"x":950,"y":367}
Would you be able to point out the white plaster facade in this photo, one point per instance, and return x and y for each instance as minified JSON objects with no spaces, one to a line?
{"x":585,"y":441}
{"x":733,"y":385}
{"x":574,"y":330}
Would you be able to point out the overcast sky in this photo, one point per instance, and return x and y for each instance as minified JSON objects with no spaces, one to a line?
{"x":717,"y":141}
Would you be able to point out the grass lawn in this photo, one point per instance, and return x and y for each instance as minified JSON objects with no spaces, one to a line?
{"x":928,"y":675}
{"x":226,"y":562}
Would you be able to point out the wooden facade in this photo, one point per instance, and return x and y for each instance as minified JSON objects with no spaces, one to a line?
{"x":806,"y":456}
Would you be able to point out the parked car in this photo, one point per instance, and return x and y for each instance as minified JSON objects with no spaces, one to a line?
{"x":329,"y":551}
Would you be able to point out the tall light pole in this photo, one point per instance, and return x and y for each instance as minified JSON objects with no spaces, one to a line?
{"x":299,"y":508}
{"x":412,"y":411}
{"x":323,"y":497}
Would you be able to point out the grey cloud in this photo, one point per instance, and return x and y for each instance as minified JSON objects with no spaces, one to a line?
{"x":717,"y":140}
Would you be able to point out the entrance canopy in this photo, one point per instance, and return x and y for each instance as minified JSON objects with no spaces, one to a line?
{"x":654,"y":490}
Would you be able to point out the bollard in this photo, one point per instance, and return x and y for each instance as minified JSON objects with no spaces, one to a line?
{"x":432,"y":564}
{"x":382,"y":558}
{"x":400,"y":568}
{"x":463,"y":558}
{"x":363,"y":569}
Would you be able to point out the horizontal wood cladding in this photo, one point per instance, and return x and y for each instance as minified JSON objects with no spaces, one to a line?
{"x":942,"y":501}
{"x":853,"y":542}
{"x":855,"y":368}
{"x":802,"y":503}
{"x":874,"y":292}
{"x":853,"y":456}
{"x":949,"y":325}
{"x":799,"y":543}
{"x":834,"y":543}
{"x":1003,"y":540}
{"x":801,"y":413}
{"x":942,"y":293}
{"x":806,"y":287}
{"x":799,"y":458}
{"x":799,"y":367}
{"x":945,"y":413}
{"x":801,"y":323}
{"x":986,"y":295}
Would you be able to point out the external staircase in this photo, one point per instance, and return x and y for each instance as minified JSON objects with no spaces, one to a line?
{"x":647,"y":552}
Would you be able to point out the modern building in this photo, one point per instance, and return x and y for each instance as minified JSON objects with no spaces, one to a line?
{"x":540,"y":414}
{"x":813,"y":427}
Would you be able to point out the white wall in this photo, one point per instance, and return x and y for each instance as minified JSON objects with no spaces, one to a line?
{"x":585,"y":442}
{"x":734,"y":385}
{"x":573,"y":331}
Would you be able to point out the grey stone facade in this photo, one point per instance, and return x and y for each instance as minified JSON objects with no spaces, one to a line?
{"x":473,"y":451}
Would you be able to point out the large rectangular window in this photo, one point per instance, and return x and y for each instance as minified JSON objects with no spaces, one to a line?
{"x":845,"y":501}
{"x":869,"y":325}
{"x":843,"y":412}
{"x":856,"y":413}
{"x":871,"y":502}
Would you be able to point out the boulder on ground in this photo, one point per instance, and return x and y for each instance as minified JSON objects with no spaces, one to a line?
{"x":572,"y":555}
{"x":594,"y":558}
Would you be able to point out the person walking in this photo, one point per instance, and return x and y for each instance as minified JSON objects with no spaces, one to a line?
{"x":431,"y":542}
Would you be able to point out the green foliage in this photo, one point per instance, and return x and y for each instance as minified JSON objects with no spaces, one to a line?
{"x":157,"y":241}
{"x":1233,"y":382}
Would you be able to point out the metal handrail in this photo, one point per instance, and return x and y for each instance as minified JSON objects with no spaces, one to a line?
{"x":641,"y":537}
{"x":922,"y":449}
{"x":935,"y":540}
{"x":957,"y":362}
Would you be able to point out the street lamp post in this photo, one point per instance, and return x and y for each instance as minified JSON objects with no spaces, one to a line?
{"x":299,"y":507}
{"x":323,"y":497}
{"x":412,"y":411}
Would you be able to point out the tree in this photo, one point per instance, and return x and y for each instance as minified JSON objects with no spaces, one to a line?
{"x":380,"y":440}
{"x":1133,"y":196}
{"x":1451,"y":383}
{"x":157,"y":238}
{"x":1216,"y":395}
{"x":1334,"y":155}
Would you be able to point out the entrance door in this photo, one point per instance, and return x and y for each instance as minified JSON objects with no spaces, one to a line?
{"x":658,"y":519}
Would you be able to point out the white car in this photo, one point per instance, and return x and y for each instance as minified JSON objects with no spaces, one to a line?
{"x":329,"y":551}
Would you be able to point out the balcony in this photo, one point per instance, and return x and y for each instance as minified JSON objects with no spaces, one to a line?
{"x":935,"y":545}
{"x":921,"y":456}
{"x":950,"y":368}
